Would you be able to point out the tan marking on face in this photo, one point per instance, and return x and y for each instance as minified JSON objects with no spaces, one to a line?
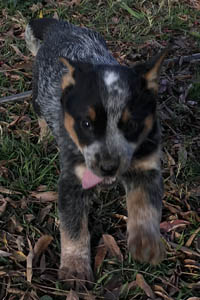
{"x":148,"y":124}
{"x":126,"y":115}
{"x":69,"y":126}
{"x":79,"y":171}
{"x":79,"y":247}
{"x":92,"y":113}
{"x":68,"y":78}
{"x":150,"y":162}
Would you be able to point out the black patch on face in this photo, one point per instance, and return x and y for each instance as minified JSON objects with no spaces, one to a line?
{"x":77,"y":100}
{"x":141,"y":104}
{"x":151,"y":143}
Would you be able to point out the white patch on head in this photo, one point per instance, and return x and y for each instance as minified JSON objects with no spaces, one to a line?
{"x":110,"y":78}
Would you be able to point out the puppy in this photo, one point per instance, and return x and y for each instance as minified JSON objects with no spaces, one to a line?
{"x":103,"y":117}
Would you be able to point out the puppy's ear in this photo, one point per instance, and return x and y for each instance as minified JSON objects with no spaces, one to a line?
{"x":68,"y":78}
{"x":150,"y":70}
{"x":152,"y":75}
{"x":76,"y":71}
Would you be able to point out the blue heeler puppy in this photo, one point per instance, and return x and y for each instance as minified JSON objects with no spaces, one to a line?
{"x":103,"y":117}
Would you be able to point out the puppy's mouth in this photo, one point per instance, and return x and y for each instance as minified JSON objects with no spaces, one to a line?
{"x":90,"y":180}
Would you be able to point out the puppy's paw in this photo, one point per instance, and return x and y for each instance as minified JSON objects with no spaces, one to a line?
{"x":76,"y":272}
{"x":145,"y":244}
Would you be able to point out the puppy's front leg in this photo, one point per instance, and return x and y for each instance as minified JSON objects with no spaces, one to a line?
{"x":75,"y":239}
{"x":144,"y":204}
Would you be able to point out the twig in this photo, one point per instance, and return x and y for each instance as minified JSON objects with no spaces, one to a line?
{"x":181,"y":59}
{"x":18,"y":97}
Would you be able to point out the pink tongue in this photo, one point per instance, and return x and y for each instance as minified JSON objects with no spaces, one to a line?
{"x":89,"y":179}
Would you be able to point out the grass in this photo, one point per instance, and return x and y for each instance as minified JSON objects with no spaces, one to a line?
{"x":133,"y":31}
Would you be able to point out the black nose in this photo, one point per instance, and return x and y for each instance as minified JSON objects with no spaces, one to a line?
{"x":109,"y":168}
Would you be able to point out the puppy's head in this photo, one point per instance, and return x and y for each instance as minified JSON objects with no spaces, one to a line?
{"x":110,"y":113}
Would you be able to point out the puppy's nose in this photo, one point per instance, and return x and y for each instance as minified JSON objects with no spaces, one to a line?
{"x":109,"y":168}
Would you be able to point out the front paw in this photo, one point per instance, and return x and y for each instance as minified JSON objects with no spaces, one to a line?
{"x":76,"y":272}
{"x":145,"y":244}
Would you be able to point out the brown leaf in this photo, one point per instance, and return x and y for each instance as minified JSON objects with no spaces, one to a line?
{"x":185,"y":250}
{"x":8,"y":192}
{"x":4,"y":253}
{"x":42,"y":263}
{"x":19,"y":255}
{"x":164,"y":296}
{"x":15,"y":225}
{"x":112,"y":246}
{"x":41,"y":246}
{"x":29,"y":263}
{"x":190,"y":240}
{"x":45,"y":196}
{"x":195,"y":285}
{"x":72,"y":295}
{"x":168,"y":226}
{"x":99,"y":258}
{"x":132,"y":285}
{"x":3,"y":204}
{"x":193,"y":298}
{"x":18,"y":52}
{"x":190,"y":263}
{"x":29,"y":217}
{"x":144,"y":286}
{"x":44,"y":212}
{"x":190,"y":214}
{"x":73,"y":3}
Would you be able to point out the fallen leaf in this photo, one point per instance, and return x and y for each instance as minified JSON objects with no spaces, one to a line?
{"x":195,"y":285}
{"x":132,"y":285}
{"x":190,"y":214}
{"x":43,"y":263}
{"x":3,"y":204}
{"x":190,"y":240}
{"x":4,"y":253}
{"x":2,"y":273}
{"x":190,"y":263}
{"x":15,"y":291}
{"x":29,"y":263}
{"x":19,"y":255}
{"x":44,"y":212}
{"x":99,"y":258}
{"x":112,"y":295}
{"x":184,"y":249}
{"x":29,"y":218}
{"x":164,"y":296}
{"x":8,"y":192}
{"x":112,"y":246}
{"x":18,"y":52}
{"x":168,"y":226}
{"x":144,"y":286}
{"x":45,"y":196}
{"x":15,"y":225}
{"x":41,"y":246}
{"x":73,"y":3}
{"x":72,"y":295}
{"x":197,"y":244}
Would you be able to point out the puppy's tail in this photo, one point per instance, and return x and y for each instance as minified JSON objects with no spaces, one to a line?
{"x":35,"y":33}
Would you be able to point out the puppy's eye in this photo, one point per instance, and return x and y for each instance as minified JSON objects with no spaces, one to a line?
{"x":86,"y":124}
